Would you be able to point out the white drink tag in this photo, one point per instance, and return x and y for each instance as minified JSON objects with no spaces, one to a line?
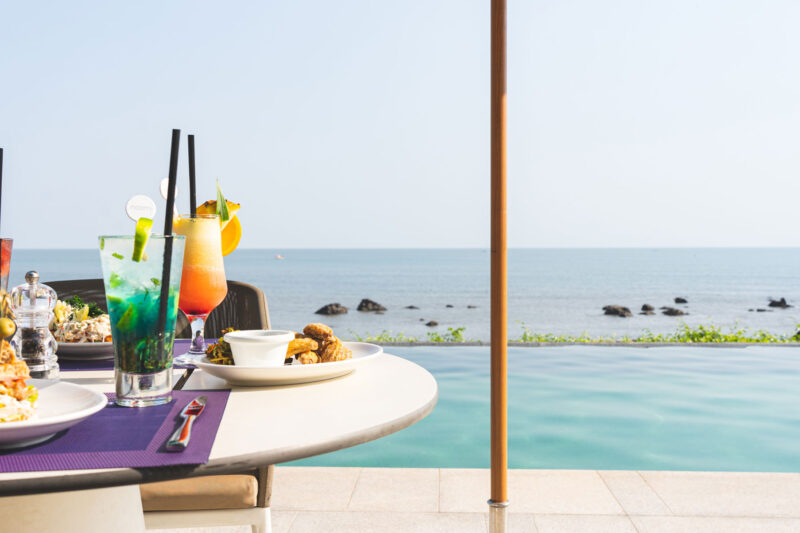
{"x":140,"y":206}
{"x":165,"y":188}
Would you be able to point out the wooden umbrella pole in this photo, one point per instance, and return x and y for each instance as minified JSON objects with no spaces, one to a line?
{"x":499,"y":370}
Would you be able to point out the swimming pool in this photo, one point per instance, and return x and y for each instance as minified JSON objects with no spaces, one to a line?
{"x":598,"y":407}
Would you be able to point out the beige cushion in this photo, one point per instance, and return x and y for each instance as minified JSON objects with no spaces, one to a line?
{"x":197,"y":493}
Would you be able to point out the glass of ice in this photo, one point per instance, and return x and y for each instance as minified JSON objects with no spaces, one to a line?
{"x":142,"y":350}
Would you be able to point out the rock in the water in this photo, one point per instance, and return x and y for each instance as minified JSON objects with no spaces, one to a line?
{"x":760,"y":310}
{"x":368,"y":305}
{"x":411,"y":307}
{"x":617,"y":310}
{"x":449,"y":306}
{"x":779,"y":303}
{"x":378,"y":312}
{"x":647,"y":313}
{"x":671,"y":311}
{"x":432,"y":323}
{"x":679,"y":300}
{"x":648,"y":307}
{"x":472,"y":307}
{"x":751,"y":310}
{"x":332,"y":309}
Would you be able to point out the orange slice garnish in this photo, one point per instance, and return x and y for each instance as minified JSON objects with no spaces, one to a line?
{"x":231,"y":235}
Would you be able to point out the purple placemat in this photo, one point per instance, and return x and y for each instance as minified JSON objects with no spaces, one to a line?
{"x":181,"y":347}
{"x":124,"y":437}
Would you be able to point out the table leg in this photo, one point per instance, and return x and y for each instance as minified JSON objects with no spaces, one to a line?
{"x":117,"y":509}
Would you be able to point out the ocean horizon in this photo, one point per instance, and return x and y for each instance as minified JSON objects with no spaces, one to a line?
{"x":551,"y":290}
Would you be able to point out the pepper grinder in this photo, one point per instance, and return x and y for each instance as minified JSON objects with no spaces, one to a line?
{"x":33,"y":305}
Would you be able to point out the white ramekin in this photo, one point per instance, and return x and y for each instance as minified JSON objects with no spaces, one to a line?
{"x":259,"y":347}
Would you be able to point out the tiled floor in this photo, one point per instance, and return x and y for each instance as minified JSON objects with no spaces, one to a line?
{"x":390,"y":500}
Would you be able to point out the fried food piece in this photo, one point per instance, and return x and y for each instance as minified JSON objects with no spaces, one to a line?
{"x":308,"y":358}
{"x":333,"y":350}
{"x":318,"y":332}
{"x":299,"y":335}
{"x":301,"y":345}
{"x":7,"y":353}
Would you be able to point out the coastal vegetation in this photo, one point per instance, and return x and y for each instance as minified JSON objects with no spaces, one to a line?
{"x":700,"y":334}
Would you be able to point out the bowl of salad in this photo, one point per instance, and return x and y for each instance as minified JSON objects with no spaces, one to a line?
{"x":82,"y":330}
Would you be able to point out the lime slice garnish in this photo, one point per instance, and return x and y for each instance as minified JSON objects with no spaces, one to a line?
{"x":140,"y":238}
{"x":125,"y":323}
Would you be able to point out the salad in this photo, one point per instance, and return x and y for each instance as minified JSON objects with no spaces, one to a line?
{"x":76,"y":321}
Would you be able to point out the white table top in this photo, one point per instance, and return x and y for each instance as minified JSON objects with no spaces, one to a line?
{"x":270,"y":425}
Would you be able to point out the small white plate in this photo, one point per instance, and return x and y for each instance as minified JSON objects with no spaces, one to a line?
{"x":85,"y":351}
{"x":254,"y":376}
{"x":60,"y":405}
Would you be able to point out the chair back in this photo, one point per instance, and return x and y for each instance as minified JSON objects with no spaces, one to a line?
{"x":245,"y":306}
{"x":88,"y":290}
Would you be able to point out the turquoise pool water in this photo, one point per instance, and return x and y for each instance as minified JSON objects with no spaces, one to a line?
{"x":670,"y":408}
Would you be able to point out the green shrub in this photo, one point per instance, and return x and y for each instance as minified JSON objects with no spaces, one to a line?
{"x":684,"y":334}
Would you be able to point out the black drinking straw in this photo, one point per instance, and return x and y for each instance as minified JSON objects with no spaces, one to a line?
{"x":165,"y":271}
{"x":192,"y":182}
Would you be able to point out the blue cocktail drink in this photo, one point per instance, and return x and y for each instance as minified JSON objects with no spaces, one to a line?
{"x":142,"y":353}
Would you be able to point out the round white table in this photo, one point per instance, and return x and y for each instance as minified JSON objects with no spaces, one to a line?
{"x":260,"y":426}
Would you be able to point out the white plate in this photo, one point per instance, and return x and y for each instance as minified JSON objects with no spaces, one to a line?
{"x":60,"y":405}
{"x":85,"y":351}
{"x":253,"y":376}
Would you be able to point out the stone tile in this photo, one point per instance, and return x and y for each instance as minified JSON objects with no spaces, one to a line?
{"x":301,"y":488}
{"x":728,"y":493}
{"x":516,"y":523}
{"x":396,"y":489}
{"x":281,"y":521}
{"x":217,"y":529}
{"x":701,"y":524}
{"x":463,"y":490}
{"x":530,"y":491}
{"x":374,"y":522}
{"x":520,"y":523}
{"x":584,"y":524}
{"x":633,"y":493}
{"x":560,"y":492}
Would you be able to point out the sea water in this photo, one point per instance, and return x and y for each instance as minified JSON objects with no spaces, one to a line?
{"x":560,"y":291}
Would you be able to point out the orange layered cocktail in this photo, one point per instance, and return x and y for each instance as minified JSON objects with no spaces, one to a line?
{"x":203,"y":284}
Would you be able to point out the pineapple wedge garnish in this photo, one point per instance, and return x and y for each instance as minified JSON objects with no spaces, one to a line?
{"x":210,"y":208}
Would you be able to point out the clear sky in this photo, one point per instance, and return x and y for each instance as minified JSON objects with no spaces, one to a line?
{"x":365,"y":123}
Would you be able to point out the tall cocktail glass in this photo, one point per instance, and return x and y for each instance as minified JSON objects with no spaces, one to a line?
{"x":203,"y":280}
{"x":142,"y":353}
